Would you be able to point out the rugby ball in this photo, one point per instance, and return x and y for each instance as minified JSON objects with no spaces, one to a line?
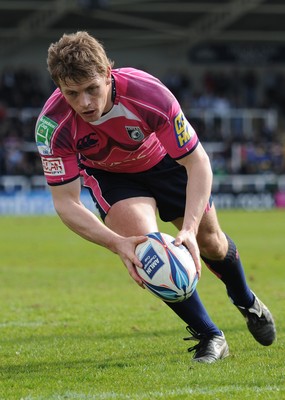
{"x":168,"y":271}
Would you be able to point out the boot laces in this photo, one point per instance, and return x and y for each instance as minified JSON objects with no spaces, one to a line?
{"x":201,"y":337}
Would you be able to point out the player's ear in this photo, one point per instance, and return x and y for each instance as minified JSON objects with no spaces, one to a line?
{"x":108,"y":76}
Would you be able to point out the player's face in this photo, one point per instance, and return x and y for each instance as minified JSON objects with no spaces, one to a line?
{"x":89,"y":98}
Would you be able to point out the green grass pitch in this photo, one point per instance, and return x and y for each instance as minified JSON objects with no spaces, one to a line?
{"x":75,"y":326}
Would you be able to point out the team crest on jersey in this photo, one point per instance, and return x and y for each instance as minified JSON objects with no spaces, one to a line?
{"x":182,"y":130}
{"x":44,"y":131}
{"x":135,"y":133}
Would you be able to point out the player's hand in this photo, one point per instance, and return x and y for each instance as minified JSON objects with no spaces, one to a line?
{"x":126,"y":250}
{"x":189,"y":240}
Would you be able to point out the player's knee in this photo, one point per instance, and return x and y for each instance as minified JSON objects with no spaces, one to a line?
{"x":213,"y":245}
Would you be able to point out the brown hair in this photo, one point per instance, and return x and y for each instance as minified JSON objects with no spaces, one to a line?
{"x":76,"y":57}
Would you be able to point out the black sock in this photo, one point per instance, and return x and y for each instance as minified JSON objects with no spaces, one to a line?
{"x":195,"y":315}
{"x":231,"y":272}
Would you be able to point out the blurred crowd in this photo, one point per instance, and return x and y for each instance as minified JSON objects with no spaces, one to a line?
{"x":262,"y":150}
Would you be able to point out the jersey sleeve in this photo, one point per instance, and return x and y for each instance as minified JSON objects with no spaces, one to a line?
{"x":162,"y":111}
{"x":59,"y":170}
{"x":177,"y":134}
{"x":53,"y":139}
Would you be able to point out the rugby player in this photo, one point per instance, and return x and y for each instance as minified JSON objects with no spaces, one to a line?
{"x":124,"y":135}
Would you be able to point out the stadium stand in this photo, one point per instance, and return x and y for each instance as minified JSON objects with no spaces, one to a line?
{"x":236,"y":107}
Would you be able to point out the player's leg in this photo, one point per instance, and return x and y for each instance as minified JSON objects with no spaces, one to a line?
{"x":137,"y":216}
{"x":133,"y":217}
{"x":221,"y":256}
{"x":212,"y":343}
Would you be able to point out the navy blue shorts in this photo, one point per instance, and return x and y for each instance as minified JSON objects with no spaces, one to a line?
{"x":165,"y":182}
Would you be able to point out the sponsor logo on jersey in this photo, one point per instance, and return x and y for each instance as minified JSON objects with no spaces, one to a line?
{"x":53,"y":166}
{"x":135,"y":133}
{"x":44,"y":131}
{"x":182,"y":130}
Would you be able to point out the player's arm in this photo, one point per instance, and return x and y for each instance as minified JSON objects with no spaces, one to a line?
{"x":79,"y":219}
{"x":198,"y":192}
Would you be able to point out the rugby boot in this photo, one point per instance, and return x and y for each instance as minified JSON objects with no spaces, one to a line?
{"x":210,"y":348}
{"x":260,"y":322}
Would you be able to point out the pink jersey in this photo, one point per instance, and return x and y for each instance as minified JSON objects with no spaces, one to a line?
{"x":144,"y":124}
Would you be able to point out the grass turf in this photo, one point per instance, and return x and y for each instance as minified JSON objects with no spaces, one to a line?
{"x":74,"y":325}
